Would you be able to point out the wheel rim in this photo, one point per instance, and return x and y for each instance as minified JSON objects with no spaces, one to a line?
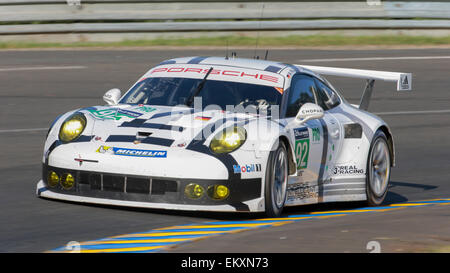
{"x":379,"y":168}
{"x":279,"y":179}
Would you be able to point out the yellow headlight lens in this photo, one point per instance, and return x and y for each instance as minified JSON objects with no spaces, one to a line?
{"x":67,"y":181}
{"x":228,"y":140}
{"x":72,"y":127}
{"x":194,"y":191}
{"x":52,"y":179}
{"x":218,"y":192}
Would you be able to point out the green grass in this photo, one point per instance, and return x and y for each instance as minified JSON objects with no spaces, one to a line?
{"x":440,"y":249}
{"x":233,"y":41}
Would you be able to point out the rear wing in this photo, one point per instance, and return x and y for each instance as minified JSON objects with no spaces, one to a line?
{"x":403,"y":80}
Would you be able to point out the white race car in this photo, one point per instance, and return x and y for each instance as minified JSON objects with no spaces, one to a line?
{"x":223,"y":134}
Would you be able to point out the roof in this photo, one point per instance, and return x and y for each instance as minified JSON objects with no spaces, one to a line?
{"x":271,"y":66}
{"x":265,"y":65}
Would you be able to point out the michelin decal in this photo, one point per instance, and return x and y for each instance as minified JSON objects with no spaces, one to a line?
{"x":131,"y":152}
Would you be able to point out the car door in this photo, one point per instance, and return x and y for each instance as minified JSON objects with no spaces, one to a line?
{"x":308,"y":140}
{"x":328,"y":99}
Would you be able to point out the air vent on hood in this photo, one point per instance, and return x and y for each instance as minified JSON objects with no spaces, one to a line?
{"x":143,"y":134}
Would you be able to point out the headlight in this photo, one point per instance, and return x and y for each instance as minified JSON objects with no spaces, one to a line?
{"x":218,"y":192}
{"x":52,"y":179}
{"x":228,"y":140}
{"x":72,"y":127}
{"x":67,"y":181}
{"x":194,"y":191}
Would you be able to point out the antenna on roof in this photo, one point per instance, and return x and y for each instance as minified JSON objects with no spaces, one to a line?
{"x":257,"y":35}
{"x":226,"y":57}
{"x":267,"y":53}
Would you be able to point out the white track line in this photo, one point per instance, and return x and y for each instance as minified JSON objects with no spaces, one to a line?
{"x":6,"y":69}
{"x":23,"y":130}
{"x":376,"y":59}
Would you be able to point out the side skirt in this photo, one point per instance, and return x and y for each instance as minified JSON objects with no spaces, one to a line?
{"x":334,"y":190}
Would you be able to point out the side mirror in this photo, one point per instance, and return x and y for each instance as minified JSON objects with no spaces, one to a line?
{"x":112,"y":96}
{"x":333,"y":100}
{"x":309,"y":111}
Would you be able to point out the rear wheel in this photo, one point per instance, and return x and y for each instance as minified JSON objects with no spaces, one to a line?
{"x":378,"y":170}
{"x":276,"y":181}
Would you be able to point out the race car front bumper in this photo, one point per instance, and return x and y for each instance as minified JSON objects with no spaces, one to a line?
{"x":151,"y":192}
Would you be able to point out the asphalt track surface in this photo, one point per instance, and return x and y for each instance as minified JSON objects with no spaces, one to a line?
{"x":37,"y":86}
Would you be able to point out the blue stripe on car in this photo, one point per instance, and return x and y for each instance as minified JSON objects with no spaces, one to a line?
{"x":167,"y":62}
{"x":197,"y":60}
{"x":272,"y":68}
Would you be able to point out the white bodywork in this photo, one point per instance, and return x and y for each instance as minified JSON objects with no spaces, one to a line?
{"x":326,"y":166}
{"x":403,"y":80}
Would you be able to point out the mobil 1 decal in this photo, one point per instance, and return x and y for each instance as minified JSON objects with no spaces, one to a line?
{"x":301,"y":147}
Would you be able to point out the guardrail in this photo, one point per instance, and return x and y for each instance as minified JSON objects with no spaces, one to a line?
{"x":106,"y":16}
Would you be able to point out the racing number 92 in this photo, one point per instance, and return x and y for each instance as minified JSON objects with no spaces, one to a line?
{"x":301,"y":153}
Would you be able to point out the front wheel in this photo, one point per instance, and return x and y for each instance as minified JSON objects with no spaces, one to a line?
{"x":276,"y":181}
{"x":378,"y":170}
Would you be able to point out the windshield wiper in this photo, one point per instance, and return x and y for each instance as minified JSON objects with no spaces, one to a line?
{"x":198,"y":89}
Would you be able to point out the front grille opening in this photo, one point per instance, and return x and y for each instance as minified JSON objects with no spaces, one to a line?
{"x":163,"y":186}
{"x":138,"y":185}
{"x":171,"y":186}
{"x":84,"y":178}
{"x":95,"y":180}
{"x":113,"y":183}
{"x":118,"y":183}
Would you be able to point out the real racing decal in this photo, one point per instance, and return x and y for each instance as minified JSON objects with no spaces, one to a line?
{"x":301,"y":147}
{"x":131,"y":152}
{"x":344,"y":170}
{"x":114,"y":114}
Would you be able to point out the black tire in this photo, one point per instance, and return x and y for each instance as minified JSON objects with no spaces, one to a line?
{"x":376,"y":196}
{"x":272,"y":208}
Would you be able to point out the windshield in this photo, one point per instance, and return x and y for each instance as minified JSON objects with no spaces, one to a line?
{"x":175,"y":91}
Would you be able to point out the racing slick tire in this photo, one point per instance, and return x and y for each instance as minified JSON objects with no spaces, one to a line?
{"x":378,"y":169}
{"x":276,"y":181}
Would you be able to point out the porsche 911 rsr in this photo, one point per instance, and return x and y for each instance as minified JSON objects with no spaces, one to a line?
{"x":221,"y":134}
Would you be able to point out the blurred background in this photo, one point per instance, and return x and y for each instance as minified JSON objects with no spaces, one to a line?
{"x":59,"y":23}
{"x":59,"y":55}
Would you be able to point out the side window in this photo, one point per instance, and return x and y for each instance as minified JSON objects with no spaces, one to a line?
{"x":302,"y":91}
{"x":326,"y":97}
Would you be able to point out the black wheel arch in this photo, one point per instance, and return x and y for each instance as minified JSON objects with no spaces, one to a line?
{"x":390,"y":140}
{"x":292,"y":167}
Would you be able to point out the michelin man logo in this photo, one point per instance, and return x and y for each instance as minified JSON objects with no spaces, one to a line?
{"x":105,"y":150}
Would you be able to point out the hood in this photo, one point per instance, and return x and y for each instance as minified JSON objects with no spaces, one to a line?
{"x":160,"y":125}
